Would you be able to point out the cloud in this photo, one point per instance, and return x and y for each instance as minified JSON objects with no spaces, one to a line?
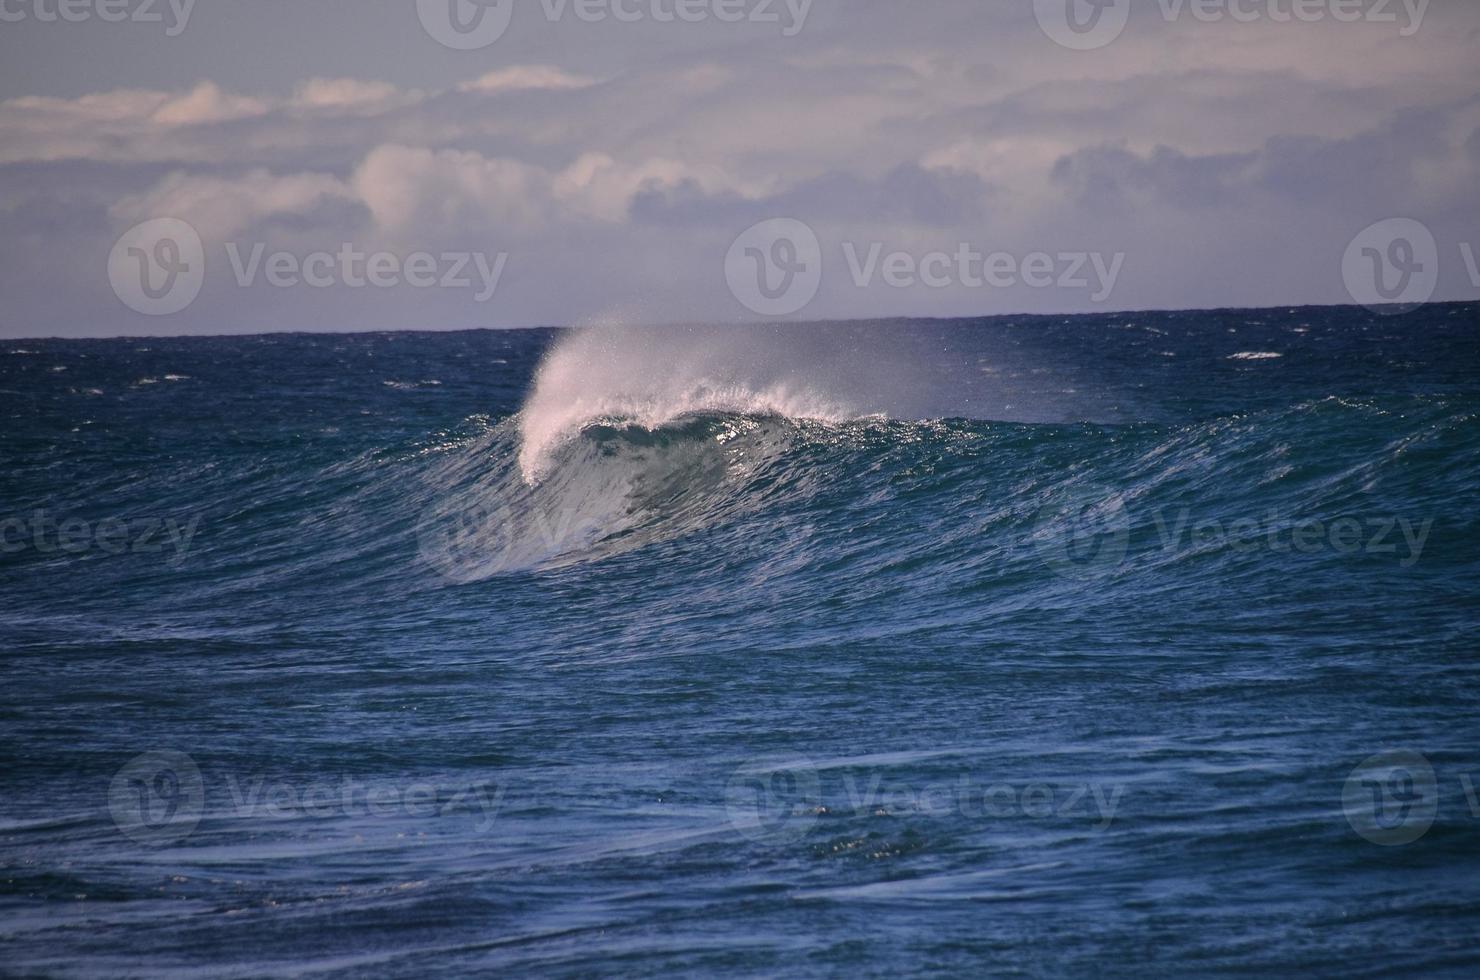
{"x":206,"y":103}
{"x":438,"y":191}
{"x":521,"y":78}
{"x":1113,"y":178}
{"x":403,"y":185}
{"x":1409,"y":161}
{"x":1231,"y":163}
{"x":221,"y":208}
{"x":340,"y":93}
{"x":907,"y":196}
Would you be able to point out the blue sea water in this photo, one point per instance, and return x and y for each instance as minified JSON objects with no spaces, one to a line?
{"x":1026,"y":646}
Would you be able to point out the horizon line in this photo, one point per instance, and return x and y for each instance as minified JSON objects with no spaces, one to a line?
{"x":745,"y":323}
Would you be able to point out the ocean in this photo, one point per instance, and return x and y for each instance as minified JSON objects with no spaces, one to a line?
{"x":1034,"y":646}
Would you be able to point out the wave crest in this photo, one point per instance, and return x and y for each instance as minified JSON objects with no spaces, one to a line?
{"x":653,"y":376}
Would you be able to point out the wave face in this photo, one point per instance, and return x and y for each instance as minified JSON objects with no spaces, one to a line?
{"x":755,"y":617}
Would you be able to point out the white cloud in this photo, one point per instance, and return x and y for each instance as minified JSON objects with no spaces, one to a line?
{"x":219,"y":208}
{"x":206,"y":103}
{"x":405,"y":185}
{"x":519,"y":78}
{"x":333,"y":93}
{"x":408,"y":188}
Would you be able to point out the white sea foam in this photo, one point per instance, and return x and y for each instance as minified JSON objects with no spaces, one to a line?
{"x":650,"y":377}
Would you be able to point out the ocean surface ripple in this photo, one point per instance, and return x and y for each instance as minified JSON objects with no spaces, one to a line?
{"x":1038,"y":645}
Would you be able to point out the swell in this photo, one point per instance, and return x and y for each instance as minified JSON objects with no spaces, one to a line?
{"x":948,"y":489}
{"x":861,"y":501}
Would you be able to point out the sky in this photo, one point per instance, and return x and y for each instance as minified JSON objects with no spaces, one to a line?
{"x":244,"y":166}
